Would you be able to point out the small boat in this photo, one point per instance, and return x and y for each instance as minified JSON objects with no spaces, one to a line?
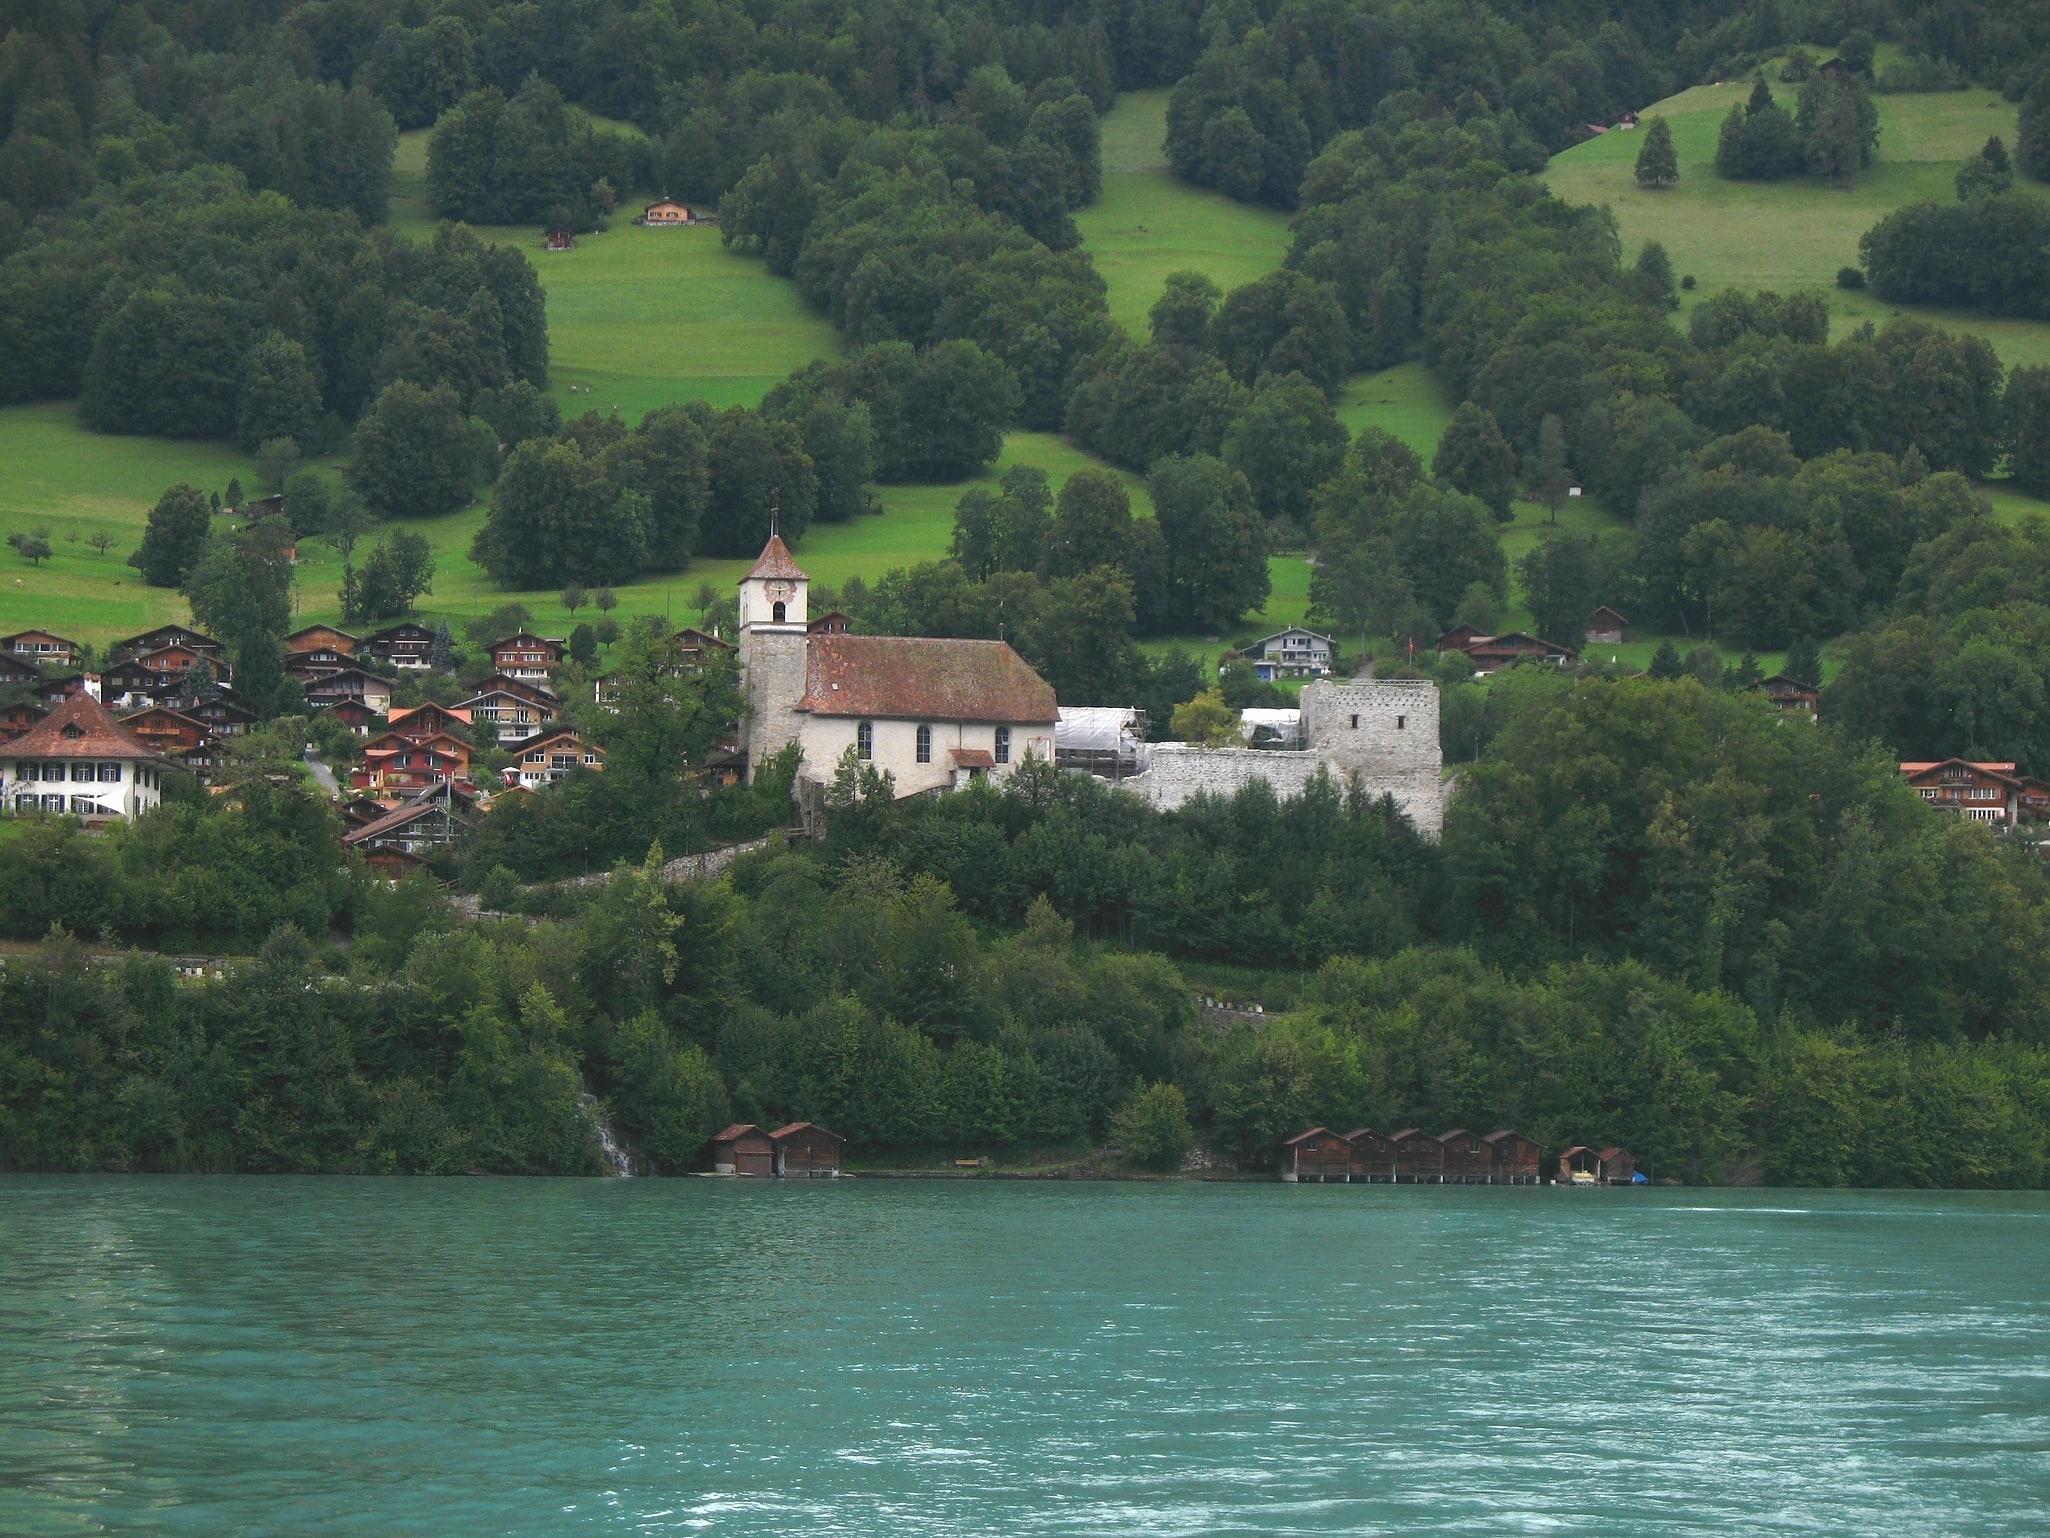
{"x":1585,"y":1178}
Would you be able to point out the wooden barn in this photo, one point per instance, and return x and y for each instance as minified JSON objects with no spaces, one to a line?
{"x":1318,"y":1154}
{"x":559,"y":237}
{"x":1515,"y":1160}
{"x":1618,"y":1166}
{"x":1373,"y":1156}
{"x":806,"y":1149}
{"x":1605,"y":626}
{"x":743,"y":1149}
{"x":1418,"y":1156}
{"x":1469,"y":1159}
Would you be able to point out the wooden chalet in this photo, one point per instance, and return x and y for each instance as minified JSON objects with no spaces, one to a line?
{"x":420,"y":826}
{"x":312,"y":660}
{"x":1373,"y":1155}
{"x":403,"y":646}
{"x":1467,"y":1158}
{"x":1515,"y":1158}
{"x":19,"y":718}
{"x":361,"y":811}
{"x":354,"y":714}
{"x":1791,"y":696}
{"x":1605,"y":627}
{"x":222,"y":717}
{"x":41,"y":646}
{"x":1419,"y":1157}
{"x":833,"y":622}
{"x":528,"y":657}
{"x":352,"y":683}
{"x":388,"y":862}
{"x":805,"y":1149}
{"x":558,"y":237}
{"x":430,"y":720}
{"x":665,"y":213}
{"x":695,"y":645}
{"x":1318,"y":1154}
{"x":55,"y":691}
{"x":1459,"y":637}
{"x":15,"y":672}
{"x":743,"y":1149}
{"x":1980,"y":791}
{"x":395,"y":764}
{"x":168,"y":635}
{"x":169,"y":732}
{"x":310,"y":637}
{"x":1490,"y":652}
{"x":545,"y":759}
{"x":513,"y":714}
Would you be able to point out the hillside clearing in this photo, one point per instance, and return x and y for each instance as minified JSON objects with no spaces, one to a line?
{"x":1147,"y":223}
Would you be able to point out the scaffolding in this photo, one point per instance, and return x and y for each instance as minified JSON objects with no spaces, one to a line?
{"x":1108,"y":741}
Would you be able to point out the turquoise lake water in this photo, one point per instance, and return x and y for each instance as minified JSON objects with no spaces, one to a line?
{"x":899,"y":1360}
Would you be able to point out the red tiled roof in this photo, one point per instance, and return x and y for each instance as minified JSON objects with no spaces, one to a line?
{"x":738,"y":1129}
{"x":776,"y":561}
{"x":81,"y":727}
{"x":973,"y":758}
{"x":915,"y":678}
{"x":1923,"y":766}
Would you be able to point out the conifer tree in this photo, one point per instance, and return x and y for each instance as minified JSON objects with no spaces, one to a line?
{"x":1665,"y":662}
{"x":1804,"y":662}
{"x":1658,"y":164}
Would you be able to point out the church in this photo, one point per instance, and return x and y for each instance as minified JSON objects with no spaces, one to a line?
{"x":936,"y":714}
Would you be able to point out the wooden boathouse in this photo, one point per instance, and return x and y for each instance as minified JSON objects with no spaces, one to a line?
{"x":743,"y":1149}
{"x":1468,"y":1160}
{"x":1419,"y":1157}
{"x":1319,"y":1154}
{"x":1373,"y":1156}
{"x":1584,"y":1166}
{"x":1515,"y":1160}
{"x":805,"y":1149}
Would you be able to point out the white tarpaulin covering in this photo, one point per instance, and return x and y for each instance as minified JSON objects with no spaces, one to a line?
{"x":1095,"y":728}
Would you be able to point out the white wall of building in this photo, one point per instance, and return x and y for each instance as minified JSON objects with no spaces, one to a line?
{"x":826,"y":738}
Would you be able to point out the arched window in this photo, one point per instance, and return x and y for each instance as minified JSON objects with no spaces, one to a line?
{"x":865,"y":740}
{"x":776,"y":614}
{"x":925,"y":744}
{"x":1003,"y":744}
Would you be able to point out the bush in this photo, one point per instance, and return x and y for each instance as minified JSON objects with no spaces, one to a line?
{"x":1850,"y":277}
{"x":1153,"y":1126}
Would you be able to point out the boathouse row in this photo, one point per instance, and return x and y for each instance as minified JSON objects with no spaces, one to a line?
{"x":1458,"y":1157}
{"x":801,"y":1149}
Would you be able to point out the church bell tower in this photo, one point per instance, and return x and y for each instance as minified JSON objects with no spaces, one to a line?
{"x":774,"y":646}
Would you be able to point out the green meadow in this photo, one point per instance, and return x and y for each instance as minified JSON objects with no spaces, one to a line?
{"x":1794,"y":235}
{"x":1148,"y":224}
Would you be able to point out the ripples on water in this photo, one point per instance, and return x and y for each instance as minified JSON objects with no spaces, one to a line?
{"x":884,"y":1360}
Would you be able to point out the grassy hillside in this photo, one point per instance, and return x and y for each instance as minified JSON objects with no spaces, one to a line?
{"x":1148,"y":224}
{"x":1795,"y":234}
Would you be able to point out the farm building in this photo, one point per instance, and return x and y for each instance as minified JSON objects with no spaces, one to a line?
{"x":743,"y":1149}
{"x":806,"y":1149}
{"x":1319,"y":1154}
{"x":1605,"y":626}
{"x":1418,"y":1156}
{"x":1515,"y":1158}
{"x":1373,"y":1156}
{"x":559,"y":237}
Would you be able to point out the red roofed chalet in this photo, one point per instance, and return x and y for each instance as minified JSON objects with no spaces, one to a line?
{"x":935,"y":714}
